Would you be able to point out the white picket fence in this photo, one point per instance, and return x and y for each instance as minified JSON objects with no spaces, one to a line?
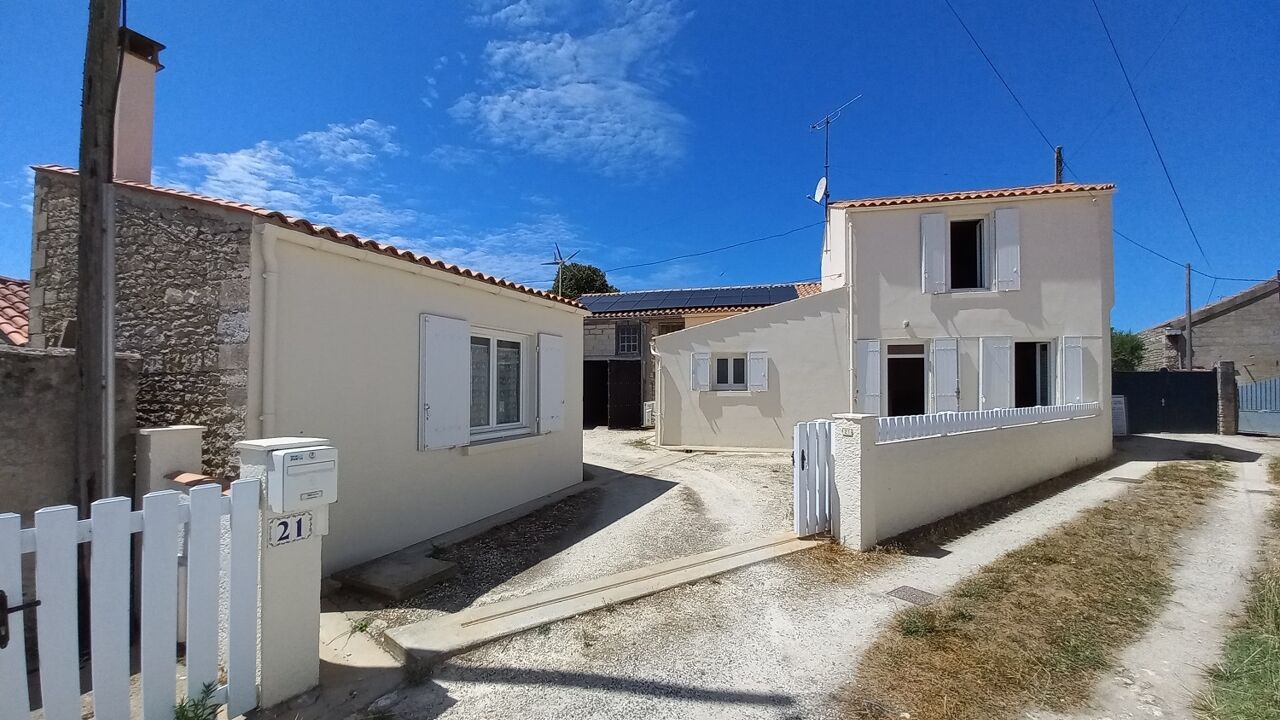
{"x":914,"y":427}
{"x":163,"y":518}
{"x":813,"y":467}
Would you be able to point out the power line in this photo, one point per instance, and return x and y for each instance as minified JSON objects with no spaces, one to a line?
{"x":1150,"y":134}
{"x":1171,"y":261}
{"x":996,"y":70}
{"x":700,"y":253}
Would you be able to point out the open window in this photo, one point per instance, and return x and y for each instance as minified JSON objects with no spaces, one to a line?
{"x":905,"y":379}
{"x":1032,"y":374}
{"x":967,"y":256}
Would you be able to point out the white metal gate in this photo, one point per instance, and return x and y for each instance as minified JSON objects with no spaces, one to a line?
{"x":164,"y":517}
{"x":813,"y":468}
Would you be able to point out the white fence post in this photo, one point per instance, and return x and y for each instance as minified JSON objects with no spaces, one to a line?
{"x":289,"y":610}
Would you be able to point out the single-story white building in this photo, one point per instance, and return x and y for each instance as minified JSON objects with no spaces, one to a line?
{"x":443,"y":389}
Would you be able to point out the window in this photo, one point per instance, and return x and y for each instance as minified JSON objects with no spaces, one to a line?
{"x":968,"y":255}
{"x":905,"y":379}
{"x":628,"y":339}
{"x":497,"y":382}
{"x":1032,"y":374}
{"x":731,"y":373}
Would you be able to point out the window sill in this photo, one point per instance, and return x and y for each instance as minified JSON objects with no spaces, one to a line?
{"x":480,"y":446}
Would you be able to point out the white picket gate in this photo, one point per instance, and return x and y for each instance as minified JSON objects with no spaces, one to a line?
{"x":108,"y":531}
{"x":813,"y":467}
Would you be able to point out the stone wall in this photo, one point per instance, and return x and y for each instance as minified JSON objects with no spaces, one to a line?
{"x":182,"y":304}
{"x":1158,"y":351}
{"x":598,"y":339}
{"x":1243,"y":333}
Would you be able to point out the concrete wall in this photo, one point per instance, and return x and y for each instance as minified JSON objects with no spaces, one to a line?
{"x":887,"y":489}
{"x":1066,"y":282}
{"x":38,"y":427}
{"x":808,"y":351}
{"x":1244,"y":334}
{"x":347,"y":369}
{"x":182,"y":303}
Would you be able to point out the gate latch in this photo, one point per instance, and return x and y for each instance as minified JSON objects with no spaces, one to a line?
{"x":5,"y":611}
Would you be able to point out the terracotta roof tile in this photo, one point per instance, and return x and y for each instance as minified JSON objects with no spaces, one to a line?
{"x":805,"y":289}
{"x":15,"y":296}
{"x":997,"y":194}
{"x":329,"y":233}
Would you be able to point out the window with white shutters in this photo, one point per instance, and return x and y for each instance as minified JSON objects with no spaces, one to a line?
{"x":933,"y":253}
{"x":945,"y":373}
{"x":444,"y":392}
{"x":868,"y":372}
{"x":551,"y":375}
{"x":757,"y":371}
{"x":995,"y":378}
{"x":729,"y":372}
{"x":1008,"y":250}
{"x":700,"y":371}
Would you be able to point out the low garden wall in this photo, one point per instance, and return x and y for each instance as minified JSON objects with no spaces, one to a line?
{"x":883,"y":489}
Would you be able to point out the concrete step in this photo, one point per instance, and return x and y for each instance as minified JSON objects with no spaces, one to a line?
{"x":398,"y":575}
{"x":431,"y":641}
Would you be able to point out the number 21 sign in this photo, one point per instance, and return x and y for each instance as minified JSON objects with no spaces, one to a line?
{"x":289,"y":528}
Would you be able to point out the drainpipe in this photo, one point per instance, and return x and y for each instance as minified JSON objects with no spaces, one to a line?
{"x":847,"y":239}
{"x":270,"y":301}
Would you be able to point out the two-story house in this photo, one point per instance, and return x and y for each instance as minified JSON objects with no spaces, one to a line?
{"x":968,"y":300}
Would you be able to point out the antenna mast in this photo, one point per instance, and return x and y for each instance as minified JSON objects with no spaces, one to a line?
{"x":824,"y":194}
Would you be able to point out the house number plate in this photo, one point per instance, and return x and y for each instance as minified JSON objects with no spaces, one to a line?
{"x":289,"y":528}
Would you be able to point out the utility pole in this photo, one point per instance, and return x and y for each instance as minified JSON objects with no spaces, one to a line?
{"x":1186,"y":335}
{"x":95,"y":298}
{"x":1057,"y":165}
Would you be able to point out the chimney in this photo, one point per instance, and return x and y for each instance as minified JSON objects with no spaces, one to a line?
{"x":135,"y":106}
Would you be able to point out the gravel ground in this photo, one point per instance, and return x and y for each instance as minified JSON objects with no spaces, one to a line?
{"x":673,"y":504}
{"x":774,"y":640}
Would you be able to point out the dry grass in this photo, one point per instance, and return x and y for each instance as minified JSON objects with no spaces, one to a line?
{"x":1246,"y":684}
{"x":837,"y":564}
{"x":1034,"y":628}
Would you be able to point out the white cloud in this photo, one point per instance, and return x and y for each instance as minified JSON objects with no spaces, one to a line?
{"x":519,"y":14}
{"x":452,"y":157}
{"x":590,"y":97}
{"x":357,"y":144}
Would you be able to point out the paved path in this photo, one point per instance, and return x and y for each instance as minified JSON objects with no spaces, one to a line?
{"x":1159,"y":675}
{"x":774,"y":640}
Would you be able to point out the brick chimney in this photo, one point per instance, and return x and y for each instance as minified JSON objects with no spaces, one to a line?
{"x":135,"y":106}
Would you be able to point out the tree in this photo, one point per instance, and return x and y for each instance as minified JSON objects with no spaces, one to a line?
{"x":576,"y":279}
{"x":1126,"y":350}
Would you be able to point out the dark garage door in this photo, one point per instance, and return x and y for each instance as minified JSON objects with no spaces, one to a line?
{"x":1169,"y":401}
{"x":625,"y":409}
{"x":595,"y":393}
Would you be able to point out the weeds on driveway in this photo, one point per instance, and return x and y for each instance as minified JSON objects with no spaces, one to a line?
{"x":1037,"y":626}
{"x":1246,"y":684}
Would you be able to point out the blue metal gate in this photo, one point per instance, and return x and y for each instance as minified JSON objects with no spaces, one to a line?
{"x":1260,"y":407}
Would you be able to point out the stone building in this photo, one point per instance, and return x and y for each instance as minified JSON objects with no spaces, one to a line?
{"x":1243,"y":328}
{"x":618,"y":367}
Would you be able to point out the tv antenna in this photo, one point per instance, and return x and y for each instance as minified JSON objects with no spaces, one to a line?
{"x":821,"y":194}
{"x":560,"y":260}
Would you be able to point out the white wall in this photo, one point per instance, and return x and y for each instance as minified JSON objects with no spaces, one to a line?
{"x":347,"y":369}
{"x":887,"y":489}
{"x":1067,"y":282}
{"x":807,"y":342}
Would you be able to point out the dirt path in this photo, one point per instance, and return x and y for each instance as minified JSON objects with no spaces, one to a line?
{"x":770,"y":641}
{"x":1158,"y":676}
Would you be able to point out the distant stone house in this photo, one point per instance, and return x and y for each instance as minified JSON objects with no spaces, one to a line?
{"x":618,"y":367}
{"x":1243,"y":328}
{"x":14,"y":297}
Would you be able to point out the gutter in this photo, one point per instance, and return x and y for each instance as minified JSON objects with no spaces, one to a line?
{"x":270,"y":345}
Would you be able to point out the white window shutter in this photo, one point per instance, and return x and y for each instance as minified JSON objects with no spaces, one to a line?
{"x":1008,"y":272}
{"x":700,"y":371}
{"x":946,"y":374}
{"x":1073,"y":369}
{"x":868,"y":376}
{"x":444,"y":382}
{"x":757,"y":371}
{"x":933,"y":253}
{"x":551,"y":373}
{"x":995,"y":372}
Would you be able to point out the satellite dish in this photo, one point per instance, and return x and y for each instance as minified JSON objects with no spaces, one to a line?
{"x":820,"y":192}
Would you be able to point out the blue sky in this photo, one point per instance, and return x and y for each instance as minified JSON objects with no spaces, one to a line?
{"x":483,"y":132}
